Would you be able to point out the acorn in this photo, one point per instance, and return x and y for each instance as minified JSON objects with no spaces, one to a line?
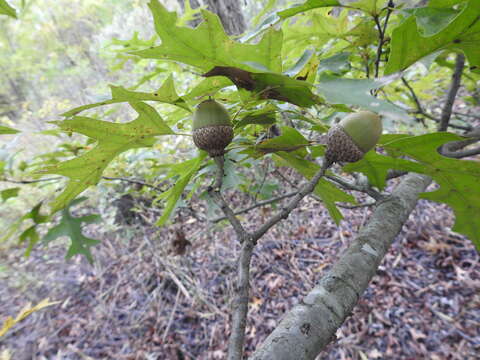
{"x":212,"y":128}
{"x":353,"y":137}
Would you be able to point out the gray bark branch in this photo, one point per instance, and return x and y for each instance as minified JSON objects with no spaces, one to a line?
{"x":452,"y":93}
{"x":311,"y":325}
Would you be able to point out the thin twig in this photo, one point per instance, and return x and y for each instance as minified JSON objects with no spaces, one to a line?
{"x":283,"y":214}
{"x":381,"y":35}
{"x":351,"y":207}
{"x":217,"y":197}
{"x":466,"y":115}
{"x":414,"y":95}
{"x":133,"y":181}
{"x":420,"y":110}
{"x":13,"y":181}
{"x":256,"y":205}
{"x":380,"y":44}
{"x":172,"y":315}
{"x":356,"y":187}
{"x":452,"y":93}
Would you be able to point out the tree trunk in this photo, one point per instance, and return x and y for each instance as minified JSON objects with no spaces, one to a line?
{"x":229,"y":11}
{"x":311,"y":325}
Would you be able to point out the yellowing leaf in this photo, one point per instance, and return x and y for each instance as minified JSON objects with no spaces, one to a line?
{"x":26,"y":311}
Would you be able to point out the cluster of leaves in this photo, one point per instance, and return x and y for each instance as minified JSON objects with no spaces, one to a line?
{"x":305,"y":64}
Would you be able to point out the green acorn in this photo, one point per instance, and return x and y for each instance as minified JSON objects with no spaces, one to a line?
{"x":212,"y":128}
{"x":353,"y":136}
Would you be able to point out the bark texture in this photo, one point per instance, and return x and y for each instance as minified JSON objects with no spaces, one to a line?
{"x":311,"y":325}
{"x":229,"y":11}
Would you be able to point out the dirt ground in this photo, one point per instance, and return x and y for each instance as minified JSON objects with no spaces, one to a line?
{"x":141,"y":300}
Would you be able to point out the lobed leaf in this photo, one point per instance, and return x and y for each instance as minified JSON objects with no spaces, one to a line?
{"x":166,"y":94}
{"x":458,"y":179}
{"x":408,"y":45}
{"x":208,"y":45}
{"x":71,"y":227}
{"x":112,"y":139}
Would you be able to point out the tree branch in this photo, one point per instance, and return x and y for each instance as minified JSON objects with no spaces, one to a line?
{"x":452,"y":93}
{"x":460,"y":154}
{"x":381,"y":35}
{"x":240,"y":301}
{"x":420,"y":110}
{"x":217,"y":197}
{"x":133,"y":181}
{"x":311,"y":325}
{"x":414,"y":96}
{"x":248,"y":241}
{"x":283,"y":214}
{"x":356,"y":187}
{"x":29,"y":181}
{"x":258,"y":204}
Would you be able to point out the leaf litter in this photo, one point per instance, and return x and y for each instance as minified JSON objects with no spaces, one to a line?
{"x":146,"y":299}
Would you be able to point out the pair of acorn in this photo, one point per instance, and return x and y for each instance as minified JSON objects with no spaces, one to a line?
{"x":347,"y":141}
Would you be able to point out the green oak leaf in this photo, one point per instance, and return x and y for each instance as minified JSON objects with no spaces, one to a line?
{"x":184,"y":171}
{"x":29,"y":235}
{"x":71,"y":227}
{"x":307,"y":5}
{"x":9,"y":193}
{"x":262,"y":116}
{"x":431,"y":21}
{"x":208,"y":45}
{"x":112,"y":139}
{"x":458,"y":179}
{"x":208,"y":86}
{"x":166,"y":94}
{"x":444,"y":3}
{"x":376,"y":166}
{"x":372,"y":7}
{"x":6,"y":9}
{"x":328,"y":192}
{"x":289,"y":140}
{"x":7,"y":130}
{"x":338,"y":90}
{"x":338,"y":63}
{"x":462,"y":33}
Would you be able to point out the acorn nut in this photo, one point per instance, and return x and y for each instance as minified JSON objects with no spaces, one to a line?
{"x":212,"y":128}
{"x":353,"y":137}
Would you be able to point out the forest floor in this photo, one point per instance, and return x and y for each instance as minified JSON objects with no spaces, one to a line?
{"x":142,"y":299}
